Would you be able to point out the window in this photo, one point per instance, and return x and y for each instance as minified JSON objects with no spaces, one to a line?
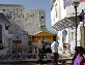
{"x":26,"y":19}
{"x":21,"y":9}
{"x":17,"y":9}
{"x":42,"y":17}
{"x":64,"y":33}
{"x":8,"y":16}
{"x":43,"y":28}
{"x":23,"y":16}
{"x":31,"y":15}
{"x":13,"y":14}
{"x":56,"y":9}
{"x":4,"y":9}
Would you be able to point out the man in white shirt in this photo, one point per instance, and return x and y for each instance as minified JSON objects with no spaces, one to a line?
{"x":54,"y":48}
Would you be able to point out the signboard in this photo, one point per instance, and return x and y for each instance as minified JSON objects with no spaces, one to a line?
{"x":17,"y":41}
{"x":17,"y":38}
{"x":69,"y":2}
{"x":43,"y":36}
{"x":82,"y":0}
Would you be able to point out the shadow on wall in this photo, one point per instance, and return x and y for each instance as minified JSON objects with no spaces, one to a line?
{"x":15,"y":32}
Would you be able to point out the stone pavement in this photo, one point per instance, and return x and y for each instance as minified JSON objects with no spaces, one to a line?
{"x":34,"y":64}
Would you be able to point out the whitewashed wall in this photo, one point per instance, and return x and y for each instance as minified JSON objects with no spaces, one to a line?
{"x":23,"y":21}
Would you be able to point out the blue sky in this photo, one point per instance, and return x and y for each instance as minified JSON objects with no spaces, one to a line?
{"x":30,"y":4}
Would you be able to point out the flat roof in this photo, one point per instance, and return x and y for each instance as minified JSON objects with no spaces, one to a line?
{"x":10,"y":5}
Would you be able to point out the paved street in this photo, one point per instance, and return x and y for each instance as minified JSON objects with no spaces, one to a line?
{"x":8,"y":61}
{"x":34,"y":64}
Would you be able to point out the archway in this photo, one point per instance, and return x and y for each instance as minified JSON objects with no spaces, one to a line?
{"x":0,"y":34}
{"x":1,"y":44}
{"x":64,"y":33}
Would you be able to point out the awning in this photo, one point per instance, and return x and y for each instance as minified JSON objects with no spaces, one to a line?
{"x":43,"y":35}
{"x":65,"y":23}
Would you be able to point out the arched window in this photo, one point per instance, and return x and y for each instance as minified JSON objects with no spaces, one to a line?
{"x":64,"y":33}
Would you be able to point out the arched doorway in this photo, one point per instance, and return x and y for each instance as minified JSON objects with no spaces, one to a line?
{"x":0,"y":34}
{"x":64,"y":33}
{"x":1,"y":44}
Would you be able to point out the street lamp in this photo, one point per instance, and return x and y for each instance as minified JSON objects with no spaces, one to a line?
{"x":75,"y":4}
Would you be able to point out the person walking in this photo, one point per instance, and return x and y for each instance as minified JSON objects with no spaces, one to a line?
{"x":54,"y":48}
{"x":78,"y":57}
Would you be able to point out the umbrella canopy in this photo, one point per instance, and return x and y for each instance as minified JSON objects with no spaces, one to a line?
{"x":43,"y":35}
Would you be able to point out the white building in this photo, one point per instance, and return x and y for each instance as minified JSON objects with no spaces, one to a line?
{"x":22,"y":23}
{"x":3,"y":36}
{"x":35,"y":20}
{"x":63,"y":18}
